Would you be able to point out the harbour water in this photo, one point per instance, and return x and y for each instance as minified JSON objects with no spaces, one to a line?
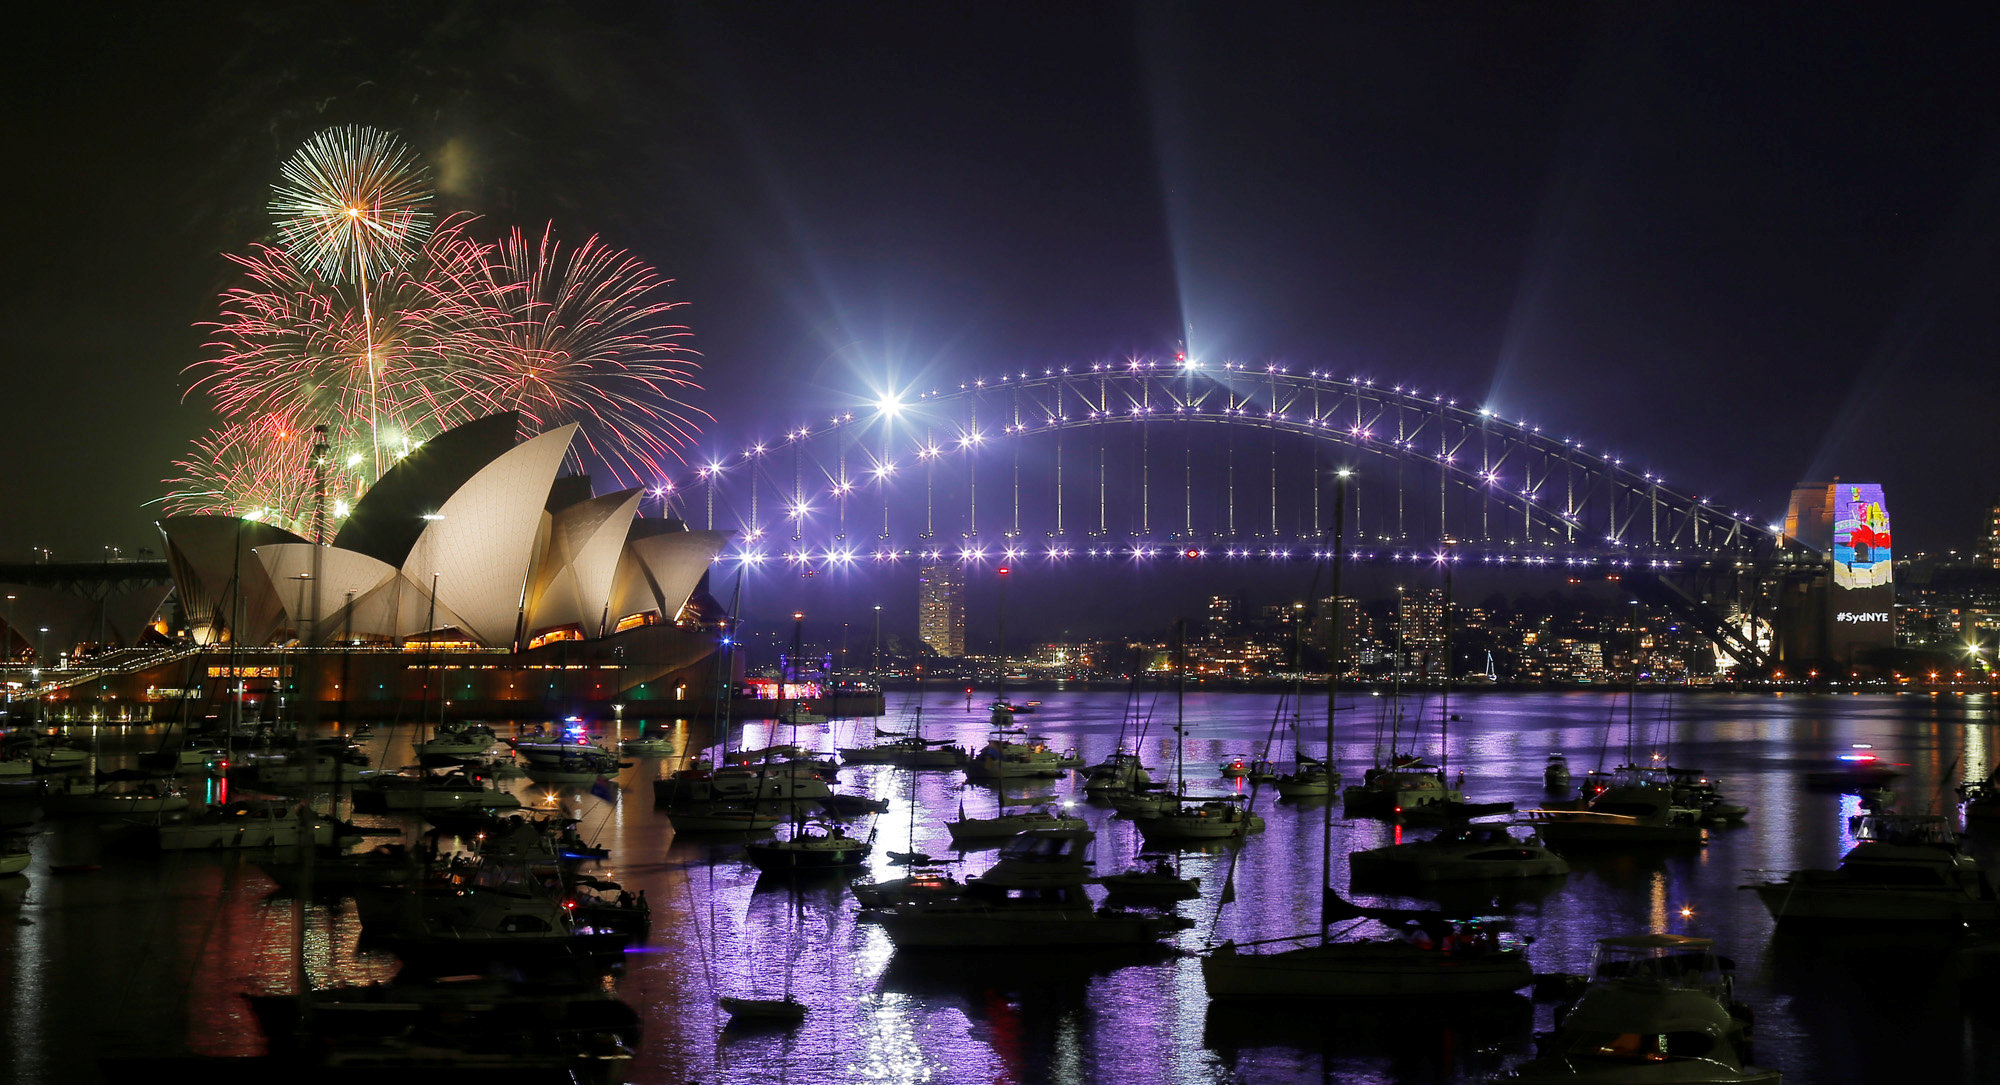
{"x":151,"y":953}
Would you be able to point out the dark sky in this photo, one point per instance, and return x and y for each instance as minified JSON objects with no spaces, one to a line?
{"x":1746,"y":245}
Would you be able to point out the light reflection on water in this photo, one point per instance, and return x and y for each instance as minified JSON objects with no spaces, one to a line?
{"x":175,"y":940}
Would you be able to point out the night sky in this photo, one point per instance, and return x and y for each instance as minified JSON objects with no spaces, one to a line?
{"x":1743,"y":248}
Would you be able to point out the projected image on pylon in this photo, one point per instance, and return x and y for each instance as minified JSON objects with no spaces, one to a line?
{"x":1861,"y":556}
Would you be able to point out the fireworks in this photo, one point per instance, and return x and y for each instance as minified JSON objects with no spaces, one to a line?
{"x":391,"y":345}
{"x":291,"y":344}
{"x":352,"y":203}
{"x":260,"y":469}
{"x":583,"y":336}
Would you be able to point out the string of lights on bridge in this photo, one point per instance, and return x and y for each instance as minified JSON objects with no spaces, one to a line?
{"x":842,"y":485}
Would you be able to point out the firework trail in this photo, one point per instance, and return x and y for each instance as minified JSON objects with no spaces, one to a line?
{"x":352,"y":208}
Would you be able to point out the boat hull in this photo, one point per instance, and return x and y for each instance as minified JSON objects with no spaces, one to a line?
{"x":1804,"y":902}
{"x":1361,"y":970}
{"x":939,"y":927}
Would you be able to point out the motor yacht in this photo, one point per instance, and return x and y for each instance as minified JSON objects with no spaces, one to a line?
{"x":566,"y":760}
{"x":1904,"y":869}
{"x":459,"y":740}
{"x":1391,"y":791}
{"x":1555,"y":776}
{"x":920,"y":884}
{"x":1638,"y":808}
{"x":1011,"y":753}
{"x":1657,"y":1008}
{"x":1461,"y":853}
{"x":249,"y":823}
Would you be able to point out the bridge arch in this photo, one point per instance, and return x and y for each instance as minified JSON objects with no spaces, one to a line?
{"x":910,"y":476}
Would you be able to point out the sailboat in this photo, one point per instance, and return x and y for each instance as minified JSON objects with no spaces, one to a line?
{"x":1318,"y":966}
{"x":1312,"y":778}
{"x":785,"y":1010}
{"x":1194,"y":822}
{"x":924,"y":879}
{"x":1011,"y":751}
{"x":1003,"y":825}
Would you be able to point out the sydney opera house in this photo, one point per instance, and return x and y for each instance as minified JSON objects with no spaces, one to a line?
{"x":472,"y":576}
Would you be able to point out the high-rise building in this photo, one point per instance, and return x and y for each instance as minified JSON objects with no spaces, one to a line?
{"x":1989,"y":539}
{"x":1355,"y":628}
{"x":941,"y":608}
{"x":1222,"y":611}
{"x":1420,"y":630}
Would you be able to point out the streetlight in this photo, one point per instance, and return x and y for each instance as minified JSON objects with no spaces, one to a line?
{"x":42,"y":653}
{"x":874,"y":668}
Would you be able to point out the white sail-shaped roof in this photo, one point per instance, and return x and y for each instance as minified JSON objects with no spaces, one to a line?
{"x":659,"y":571}
{"x":205,"y":554}
{"x":358,"y":595}
{"x":481,"y":542}
{"x":572,"y":586}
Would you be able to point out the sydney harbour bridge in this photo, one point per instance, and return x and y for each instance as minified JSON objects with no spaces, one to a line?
{"x":1165,"y":461}
{"x":1172,"y":463}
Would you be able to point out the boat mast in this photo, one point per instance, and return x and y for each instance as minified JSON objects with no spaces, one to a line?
{"x":1332,"y":687}
{"x":1000,"y":649}
{"x":1180,"y":708}
{"x":1444,"y":695}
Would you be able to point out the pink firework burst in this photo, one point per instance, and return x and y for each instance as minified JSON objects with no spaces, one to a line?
{"x":586,"y":335}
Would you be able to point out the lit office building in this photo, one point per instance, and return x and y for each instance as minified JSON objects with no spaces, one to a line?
{"x":941,"y":608}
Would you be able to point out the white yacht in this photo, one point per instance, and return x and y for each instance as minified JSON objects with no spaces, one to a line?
{"x":1905,"y":868}
{"x":246,"y":823}
{"x":1659,"y":1008}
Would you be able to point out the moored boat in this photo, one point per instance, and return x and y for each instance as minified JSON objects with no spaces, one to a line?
{"x":811,"y":848}
{"x":249,"y":823}
{"x":1904,"y":869}
{"x":1658,"y":1008}
{"x":1468,"y":852}
{"x":1032,"y":898}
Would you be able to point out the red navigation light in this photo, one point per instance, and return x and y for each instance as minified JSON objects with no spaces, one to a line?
{"x":1004,"y":570}
{"x":1190,"y":553}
